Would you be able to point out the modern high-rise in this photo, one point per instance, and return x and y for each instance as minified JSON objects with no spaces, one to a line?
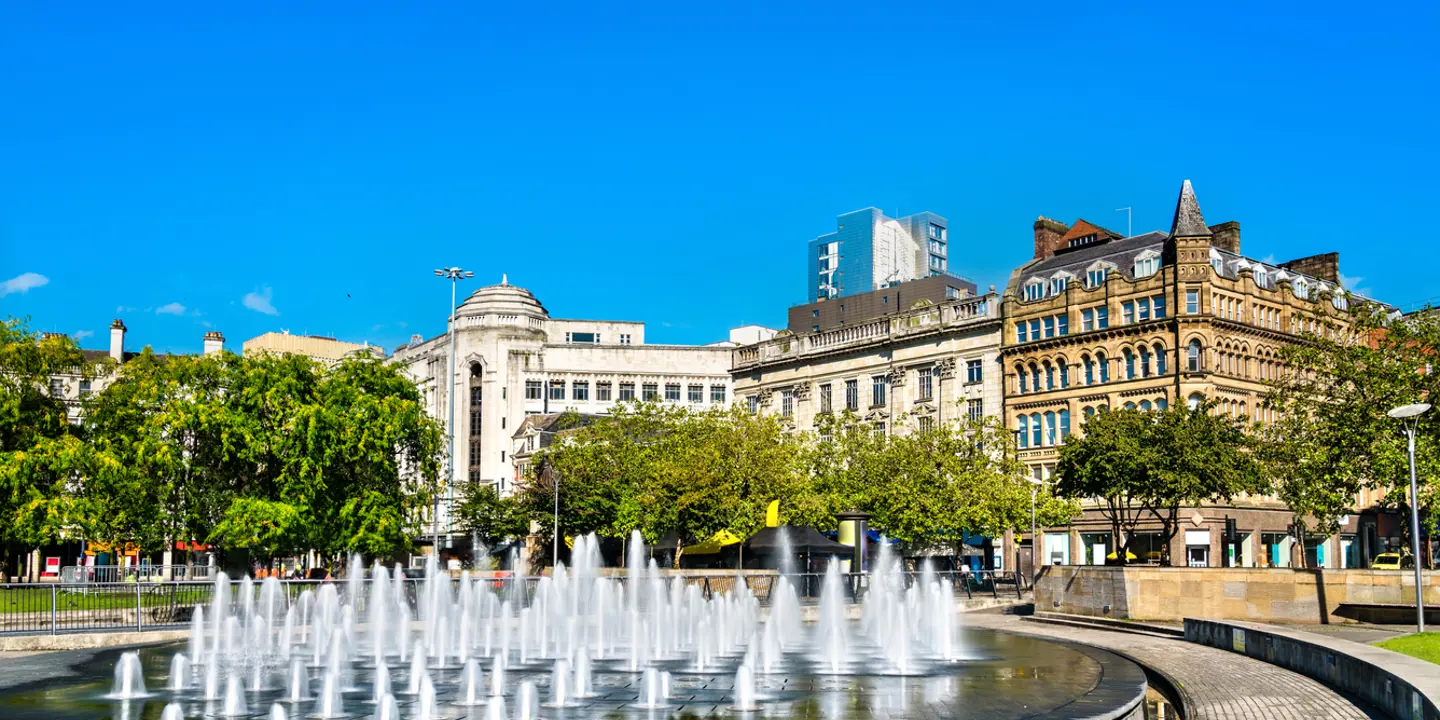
{"x":869,"y":251}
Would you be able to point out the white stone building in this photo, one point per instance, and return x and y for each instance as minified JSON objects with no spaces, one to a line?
{"x":928,"y":364}
{"x":513,"y":360}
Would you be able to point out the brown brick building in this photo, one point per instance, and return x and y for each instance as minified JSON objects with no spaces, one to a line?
{"x":1096,"y":320}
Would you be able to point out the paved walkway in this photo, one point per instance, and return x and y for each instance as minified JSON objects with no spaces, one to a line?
{"x":1214,"y":684}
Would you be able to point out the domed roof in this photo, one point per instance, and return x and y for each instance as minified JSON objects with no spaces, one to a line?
{"x":502,"y":299}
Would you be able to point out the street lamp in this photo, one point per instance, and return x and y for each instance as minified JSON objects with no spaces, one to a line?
{"x":1409,"y":417}
{"x":454,"y":275}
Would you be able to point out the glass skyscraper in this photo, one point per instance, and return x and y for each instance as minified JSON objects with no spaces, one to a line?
{"x":869,"y":251}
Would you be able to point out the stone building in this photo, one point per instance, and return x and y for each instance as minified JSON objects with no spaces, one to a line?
{"x":513,"y":360}
{"x":925,"y":365}
{"x":1096,"y":320}
{"x":75,"y":386}
{"x":325,"y":350}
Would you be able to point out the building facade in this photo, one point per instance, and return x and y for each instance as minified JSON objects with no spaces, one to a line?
{"x":326,"y":350}
{"x":869,"y":251}
{"x":513,"y":361}
{"x":1097,"y":321}
{"x":926,"y":365}
{"x":75,"y":387}
{"x":825,"y":315}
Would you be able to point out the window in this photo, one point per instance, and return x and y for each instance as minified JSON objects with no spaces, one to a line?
{"x":825,"y":398}
{"x":1192,"y":302}
{"x":475,"y":422}
{"x":974,"y":371}
{"x":753,"y":402}
{"x":1049,"y":376}
{"x":1035,"y":377}
{"x":57,"y":388}
{"x":937,"y":263}
{"x":602,"y":391}
{"x":624,"y":339}
{"x":502,"y":456}
{"x":925,"y":423}
{"x":1089,"y":370}
{"x":1057,"y":285}
{"x":474,"y":453}
{"x":649,"y":391}
{"x":84,"y":388}
{"x":695,"y":393}
{"x":1034,"y":329}
{"x":1302,"y":288}
{"x":814,"y":313}
{"x":1022,"y":434}
{"x":1087,"y":320}
{"x":580,"y":390}
{"x":852,"y":395}
{"x":880,"y":428}
{"x":533,"y":390}
{"x":1064,"y":424}
{"x":1024,"y":379}
{"x":1036,"y":431}
{"x":1020,"y":334}
{"x":1194,"y":401}
{"x":1095,"y":278}
{"x":878,"y":384}
{"x":1062,"y":324}
{"x":1129,"y":365}
{"x":787,"y":403}
{"x":1142,"y":309}
{"x":815,"y":328}
{"x":975,"y":408}
{"x":1192,"y":354}
{"x":1144,"y":361}
{"x":672,"y":392}
{"x":557,"y":389}
{"x":1218,"y":264}
{"x":952,"y":293}
{"x":717,"y":394}
{"x":937,"y":232}
{"x":1127,"y":313}
{"x":475,"y":395}
{"x":1158,"y":305}
{"x":1064,"y":374}
{"x":1049,"y":327}
{"x":924,"y":384}
{"x":1145,"y":405}
{"x":1159,"y":359}
{"x":1147,"y":267}
{"x":1104,"y":367}
{"x":1102,"y":317}
{"x":1035,"y":290}
{"x":1261,"y":277}
{"x":1050,"y":436}
{"x":582,"y":337}
{"x":627,"y":391}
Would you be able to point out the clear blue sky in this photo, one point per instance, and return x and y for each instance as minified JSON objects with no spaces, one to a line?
{"x":668,"y":163}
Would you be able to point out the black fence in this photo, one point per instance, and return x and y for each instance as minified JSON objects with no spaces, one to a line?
{"x":53,"y":608}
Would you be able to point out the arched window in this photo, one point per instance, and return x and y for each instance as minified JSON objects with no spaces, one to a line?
{"x":1194,"y":401}
{"x":1089,"y":411}
{"x":1145,"y":405}
{"x":1035,"y":430}
{"x":1129,"y":364}
{"x":1144,"y":361}
{"x":1089,"y":369}
{"x":1035,"y":377}
{"x":1049,"y":428}
{"x":1129,"y":406}
{"x":1242,"y":408}
{"x":1022,"y":379}
{"x":1022,"y":438}
{"x":1104,"y":367}
{"x":1162,"y":404}
{"x":1064,"y":424}
{"x":1049,"y":376}
{"x":1192,"y":355}
{"x":1064,"y":372}
{"x":1160,"y":359}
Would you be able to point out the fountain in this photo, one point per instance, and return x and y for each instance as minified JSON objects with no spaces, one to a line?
{"x":600,"y":645}
{"x":277,"y":712}
{"x":172,"y":711}
{"x":129,"y":678}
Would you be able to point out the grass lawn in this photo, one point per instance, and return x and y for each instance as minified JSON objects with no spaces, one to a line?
{"x":1425,"y":646}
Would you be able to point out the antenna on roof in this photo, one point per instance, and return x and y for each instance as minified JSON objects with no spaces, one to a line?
{"x":1129,"y":213}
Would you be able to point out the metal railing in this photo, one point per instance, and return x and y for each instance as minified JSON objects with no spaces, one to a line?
{"x":54,"y":608}
{"x":73,"y":574}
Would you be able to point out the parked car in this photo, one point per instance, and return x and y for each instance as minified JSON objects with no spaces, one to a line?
{"x":1393,"y":561}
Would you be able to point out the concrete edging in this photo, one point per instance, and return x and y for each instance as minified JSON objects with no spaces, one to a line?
{"x":1404,"y":686}
{"x":88,"y":640}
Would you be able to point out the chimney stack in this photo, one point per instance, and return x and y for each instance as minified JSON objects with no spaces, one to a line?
{"x":214,"y":342}
{"x":1047,"y":236}
{"x":1226,"y":236}
{"x":117,"y":340}
{"x":1325,"y":266}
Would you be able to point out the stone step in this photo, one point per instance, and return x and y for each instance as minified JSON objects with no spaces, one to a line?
{"x":1077,"y":621}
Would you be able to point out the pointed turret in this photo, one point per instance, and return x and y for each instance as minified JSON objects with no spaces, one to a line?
{"x":1188,"y":220}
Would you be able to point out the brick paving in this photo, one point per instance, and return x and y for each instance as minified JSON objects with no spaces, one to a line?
{"x":1214,"y":684}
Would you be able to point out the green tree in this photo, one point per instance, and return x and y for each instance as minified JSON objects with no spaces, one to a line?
{"x":491,"y":518}
{"x":1331,"y":437}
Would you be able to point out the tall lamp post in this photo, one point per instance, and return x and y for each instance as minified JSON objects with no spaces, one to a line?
{"x":1409,"y":417}
{"x":454,"y":275}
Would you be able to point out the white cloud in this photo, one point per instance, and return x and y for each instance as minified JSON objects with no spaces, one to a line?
{"x":124,"y":309}
{"x":82,"y":334}
{"x":1353,"y":285}
{"x":23,"y":283}
{"x":259,"y":301}
{"x":173,"y":308}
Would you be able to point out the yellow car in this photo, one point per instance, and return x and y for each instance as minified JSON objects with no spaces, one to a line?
{"x":1392,"y":561}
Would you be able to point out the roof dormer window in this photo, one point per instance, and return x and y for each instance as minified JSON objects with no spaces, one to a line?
{"x":1035,"y":290}
{"x":1147,"y":264}
{"x":1057,"y":285}
{"x":1302,"y":288}
{"x":1219,"y":264}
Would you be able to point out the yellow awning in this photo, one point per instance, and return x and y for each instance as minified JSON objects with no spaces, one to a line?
{"x":715,"y":544}
{"x":1128,"y":556}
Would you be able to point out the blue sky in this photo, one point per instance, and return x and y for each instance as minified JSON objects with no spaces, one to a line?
{"x":306,"y":165}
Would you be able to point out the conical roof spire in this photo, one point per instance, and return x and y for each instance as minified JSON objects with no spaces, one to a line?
{"x":1188,"y":220}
